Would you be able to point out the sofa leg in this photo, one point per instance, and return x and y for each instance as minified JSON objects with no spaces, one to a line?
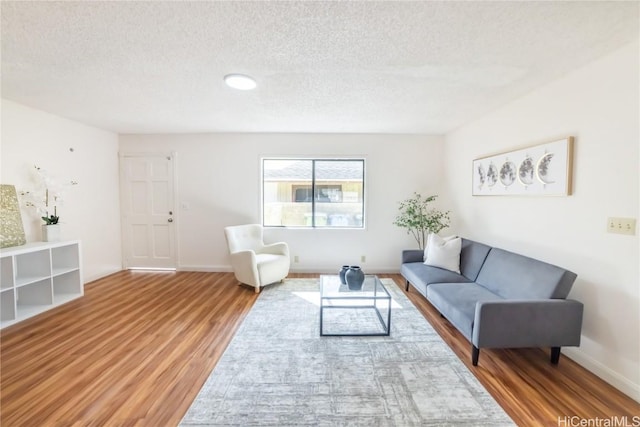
{"x":555,"y":355}
{"x":406,"y":286}
{"x":475,"y":354}
{"x":257,"y":289}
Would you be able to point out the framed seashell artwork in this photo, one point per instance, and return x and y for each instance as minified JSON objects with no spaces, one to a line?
{"x":540,"y":170}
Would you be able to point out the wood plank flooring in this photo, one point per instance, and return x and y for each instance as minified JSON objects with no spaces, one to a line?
{"x":137,"y":348}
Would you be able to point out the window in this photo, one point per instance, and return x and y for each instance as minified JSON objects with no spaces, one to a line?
{"x":324,"y":193}
{"x":313,"y":193}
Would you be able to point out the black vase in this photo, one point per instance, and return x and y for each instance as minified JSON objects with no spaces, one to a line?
{"x":354,"y":277}
{"x":343,"y":271}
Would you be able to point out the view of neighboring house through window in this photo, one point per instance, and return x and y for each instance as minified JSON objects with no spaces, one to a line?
{"x":313,"y":193}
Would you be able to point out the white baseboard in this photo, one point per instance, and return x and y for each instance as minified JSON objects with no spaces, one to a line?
{"x":100,"y":275}
{"x":623,"y":384}
{"x":228,"y":269}
{"x":206,"y":268}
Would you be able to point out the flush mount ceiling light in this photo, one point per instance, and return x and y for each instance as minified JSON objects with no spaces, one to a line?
{"x":240,"y":81}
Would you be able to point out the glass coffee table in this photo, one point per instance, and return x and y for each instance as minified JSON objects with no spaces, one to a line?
{"x":348,"y":312}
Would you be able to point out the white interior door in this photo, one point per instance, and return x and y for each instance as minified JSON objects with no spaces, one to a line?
{"x":148,"y":211}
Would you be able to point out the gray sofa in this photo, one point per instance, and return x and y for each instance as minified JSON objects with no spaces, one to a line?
{"x":500,"y":299}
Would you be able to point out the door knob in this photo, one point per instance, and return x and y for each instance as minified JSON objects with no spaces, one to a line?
{"x":170,"y":220}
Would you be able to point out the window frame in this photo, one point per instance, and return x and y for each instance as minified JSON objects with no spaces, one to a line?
{"x":313,"y":161}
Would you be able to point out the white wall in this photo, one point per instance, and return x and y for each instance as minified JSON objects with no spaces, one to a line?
{"x":598,"y":105}
{"x":218,"y":176}
{"x":91,"y":210}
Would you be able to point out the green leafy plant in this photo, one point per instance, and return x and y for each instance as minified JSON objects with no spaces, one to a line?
{"x":50,"y":220}
{"x":420,"y":220}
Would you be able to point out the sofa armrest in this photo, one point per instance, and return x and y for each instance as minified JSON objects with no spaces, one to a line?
{"x":245,"y":267}
{"x":527,"y":323}
{"x":412,"y":255}
{"x":280,"y":248}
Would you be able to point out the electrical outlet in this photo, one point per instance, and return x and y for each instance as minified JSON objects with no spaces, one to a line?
{"x":296,"y":259}
{"x":621,"y":225}
{"x":363,"y":258}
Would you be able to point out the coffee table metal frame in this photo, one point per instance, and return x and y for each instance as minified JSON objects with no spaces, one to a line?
{"x":333,"y":294}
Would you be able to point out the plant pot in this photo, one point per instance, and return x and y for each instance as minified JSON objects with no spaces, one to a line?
{"x":354,"y":277}
{"x":343,"y":271}
{"x":51,"y":233}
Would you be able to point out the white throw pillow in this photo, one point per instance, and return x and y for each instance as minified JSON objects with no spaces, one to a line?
{"x":426,"y":245}
{"x":444,"y":253}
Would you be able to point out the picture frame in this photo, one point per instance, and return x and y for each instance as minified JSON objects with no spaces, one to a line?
{"x":11,"y":228}
{"x":539,"y":170}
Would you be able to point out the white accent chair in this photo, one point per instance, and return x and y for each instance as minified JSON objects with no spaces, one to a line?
{"x":253,"y":262}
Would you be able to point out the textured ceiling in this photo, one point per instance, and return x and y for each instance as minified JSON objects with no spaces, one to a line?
{"x":373,"y":67}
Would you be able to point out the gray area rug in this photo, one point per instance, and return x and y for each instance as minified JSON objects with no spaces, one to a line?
{"x":278,"y":371}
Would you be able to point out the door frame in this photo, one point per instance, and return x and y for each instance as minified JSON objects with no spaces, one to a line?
{"x":176,"y":215}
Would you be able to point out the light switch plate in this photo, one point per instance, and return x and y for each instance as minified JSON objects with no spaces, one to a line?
{"x":621,"y":225}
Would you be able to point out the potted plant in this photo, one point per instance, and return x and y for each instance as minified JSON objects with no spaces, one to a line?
{"x":45,"y":199}
{"x":419,"y":220}
{"x":51,"y":228}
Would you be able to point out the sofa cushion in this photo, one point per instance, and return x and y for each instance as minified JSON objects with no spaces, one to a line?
{"x":457,"y":302}
{"x":472,"y":256}
{"x":514,"y":276}
{"x":426,"y":245}
{"x":420,"y":275}
{"x":444,"y":253}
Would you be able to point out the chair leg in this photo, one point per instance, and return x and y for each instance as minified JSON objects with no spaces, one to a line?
{"x":475,"y":354}
{"x":555,"y":355}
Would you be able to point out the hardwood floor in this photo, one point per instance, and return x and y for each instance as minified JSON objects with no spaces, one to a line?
{"x":137,"y":348}
{"x":532,"y":390}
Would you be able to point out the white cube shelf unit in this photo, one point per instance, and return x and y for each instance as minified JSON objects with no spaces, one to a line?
{"x":37,"y":277}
